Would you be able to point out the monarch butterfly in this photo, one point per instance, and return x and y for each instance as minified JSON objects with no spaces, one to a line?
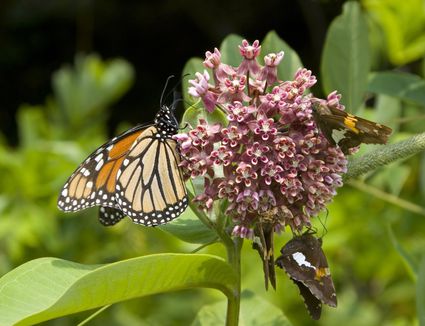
{"x":135,"y":174}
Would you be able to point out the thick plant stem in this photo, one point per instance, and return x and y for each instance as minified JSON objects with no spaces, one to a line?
{"x":233,"y":303}
{"x":385,"y":155}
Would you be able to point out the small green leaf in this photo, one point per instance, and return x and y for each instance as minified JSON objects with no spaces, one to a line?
{"x":345,"y":61}
{"x":393,"y":176}
{"x":190,"y":229}
{"x":90,"y":86}
{"x":287,"y":68}
{"x":196,"y":112}
{"x":32,"y":124}
{"x":48,"y":288}
{"x":420,"y":293}
{"x":191,"y":67}
{"x":254,"y":311}
{"x":407,"y":87}
{"x":387,"y":111}
{"x":230,"y":51}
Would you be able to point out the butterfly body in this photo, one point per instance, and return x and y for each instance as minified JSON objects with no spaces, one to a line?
{"x":347,"y":130}
{"x":136,"y":174}
{"x":305,"y":262}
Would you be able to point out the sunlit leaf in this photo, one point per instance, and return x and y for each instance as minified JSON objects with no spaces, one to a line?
{"x":48,"y":288}
{"x":402,"y":23}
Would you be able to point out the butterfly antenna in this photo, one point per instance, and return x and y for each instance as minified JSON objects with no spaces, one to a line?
{"x":173,"y":90}
{"x":325,"y":230}
{"x":165,"y":88}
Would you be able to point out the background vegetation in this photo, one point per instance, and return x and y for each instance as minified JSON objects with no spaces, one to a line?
{"x":375,"y":240}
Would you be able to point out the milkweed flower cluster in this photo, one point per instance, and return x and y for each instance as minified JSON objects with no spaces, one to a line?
{"x":270,"y":161}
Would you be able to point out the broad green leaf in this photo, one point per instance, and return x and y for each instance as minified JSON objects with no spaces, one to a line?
{"x":230,"y":51}
{"x":189,"y":228}
{"x":254,"y":311}
{"x":420,"y":293}
{"x":287,"y":68}
{"x":407,"y":87}
{"x":345,"y":61}
{"x":48,"y":288}
{"x":408,"y":260}
{"x":191,"y":67}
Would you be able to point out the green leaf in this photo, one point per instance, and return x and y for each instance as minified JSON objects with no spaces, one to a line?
{"x":190,"y":229}
{"x":287,"y":68}
{"x":191,"y":67}
{"x":345,"y":61}
{"x":422,"y":173}
{"x":420,"y":293}
{"x":409,"y":262}
{"x":254,"y":311}
{"x":230,"y":51}
{"x":393,"y":176}
{"x":32,"y":124}
{"x":387,"y":111}
{"x":196,"y":112}
{"x":48,"y":288}
{"x":91,"y":86}
{"x":407,"y":87}
{"x":402,"y":25}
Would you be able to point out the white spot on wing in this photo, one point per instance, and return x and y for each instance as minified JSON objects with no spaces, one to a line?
{"x":337,"y":135}
{"x":301,"y":261}
{"x":99,"y":165}
{"x":99,"y":157}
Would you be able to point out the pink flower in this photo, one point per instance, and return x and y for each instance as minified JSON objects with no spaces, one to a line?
{"x":212,"y":60}
{"x":233,"y":89}
{"x":200,"y":88}
{"x":245,"y":173}
{"x":269,"y":71}
{"x":220,"y":70}
{"x":269,"y":161}
{"x":249,"y":54}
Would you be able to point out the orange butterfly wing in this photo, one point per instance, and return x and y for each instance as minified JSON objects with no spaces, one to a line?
{"x":94,"y":181}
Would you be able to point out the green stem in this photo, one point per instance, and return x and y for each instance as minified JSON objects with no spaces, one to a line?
{"x":85,"y":321}
{"x":234,"y":259}
{"x":385,"y":155}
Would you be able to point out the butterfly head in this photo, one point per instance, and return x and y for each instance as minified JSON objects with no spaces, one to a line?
{"x":166,"y":121}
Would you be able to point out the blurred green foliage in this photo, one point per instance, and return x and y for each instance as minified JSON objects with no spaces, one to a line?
{"x":396,"y":29}
{"x":374,"y":242}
